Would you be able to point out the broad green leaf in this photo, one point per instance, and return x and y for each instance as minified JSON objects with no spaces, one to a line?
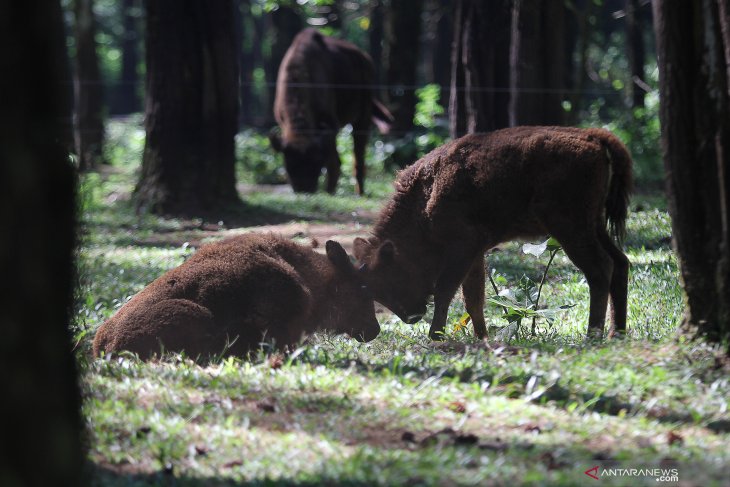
{"x":553,"y":244}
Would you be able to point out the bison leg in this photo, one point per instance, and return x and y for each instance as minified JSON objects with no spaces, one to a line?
{"x":171,"y":325}
{"x":587,"y":253}
{"x":455,"y":267}
{"x":360,"y":140}
{"x":619,"y":284}
{"x":333,"y":168}
{"x":473,"y":289}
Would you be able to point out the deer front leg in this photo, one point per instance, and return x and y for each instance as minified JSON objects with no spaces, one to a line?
{"x":455,"y":268}
{"x":473,"y":290}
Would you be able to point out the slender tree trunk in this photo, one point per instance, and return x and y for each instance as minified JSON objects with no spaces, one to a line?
{"x":442,"y":48}
{"x":693,"y":48}
{"x":128,"y":100}
{"x":481,"y":44}
{"x":191,"y":109}
{"x":457,"y":110}
{"x":41,"y":421}
{"x":537,"y":65}
{"x":403,"y":36}
{"x":635,"y":51}
{"x":245,"y":55}
{"x":284,"y":24}
{"x":376,"y":34}
{"x":89,"y":126}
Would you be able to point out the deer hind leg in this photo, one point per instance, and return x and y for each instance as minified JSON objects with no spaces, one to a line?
{"x":619,"y":284}
{"x":473,"y":290}
{"x":589,"y":255}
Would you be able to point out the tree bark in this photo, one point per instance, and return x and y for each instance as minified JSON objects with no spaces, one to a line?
{"x":693,"y":46}
{"x":481,"y":51}
{"x":376,"y":33}
{"x":89,"y":94}
{"x":284,"y":24}
{"x":537,"y":66}
{"x":191,"y":108}
{"x":442,"y":48}
{"x":635,"y":51}
{"x":127,"y":99}
{"x":403,"y":39}
{"x":41,"y":421}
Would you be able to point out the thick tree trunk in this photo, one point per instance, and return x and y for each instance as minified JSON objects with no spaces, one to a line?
{"x":89,"y":126}
{"x":537,"y":64}
{"x":191,"y":109}
{"x":693,"y":46}
{"x":482,"y":52}
{"x":635,"y":51}
{"x":41,"y":422}
{"x":127,"y":99}
{"x":403,"y":39}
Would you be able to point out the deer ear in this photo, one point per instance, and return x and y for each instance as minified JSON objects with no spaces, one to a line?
{"x":337,"y":255}
{"x":275,"y":141}
{"x":361,"y":248}
{"x":386,"y":252}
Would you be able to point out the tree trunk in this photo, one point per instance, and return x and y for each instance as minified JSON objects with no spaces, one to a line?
{"x":537,"y":65}
{"x":635,"y":51}
{"x":127,"y":99}
{"x":245,"y":56}
{"x":693,"y":48}
{"x":375,"y":42}
{"x":41,"y":420}
{"x":482,"y":52}
{"x":403,"y":38}
{"x":442,"y":48}
{"x":285,"y":24}
{"x":191,"y":108}
{"x":457,"y":107}
{"x":578,"y":34}
{"x":89,"y":126}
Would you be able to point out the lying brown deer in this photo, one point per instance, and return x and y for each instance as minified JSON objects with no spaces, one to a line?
{"x":239,"y":292}
{"x":323,"y":84}
{"x":471,"y":194}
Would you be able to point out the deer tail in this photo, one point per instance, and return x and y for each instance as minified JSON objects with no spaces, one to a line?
{"x":620,"y":186}
{"x":382,"y":118}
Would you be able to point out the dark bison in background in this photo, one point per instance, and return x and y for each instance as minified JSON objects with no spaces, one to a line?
{"x":323,"y":84}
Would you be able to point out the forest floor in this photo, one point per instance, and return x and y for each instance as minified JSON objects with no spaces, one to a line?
{"x":536,"y":409}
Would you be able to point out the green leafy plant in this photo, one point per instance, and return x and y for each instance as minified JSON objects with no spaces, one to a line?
{"x":430,"y":130}
{"x":522,"y":301}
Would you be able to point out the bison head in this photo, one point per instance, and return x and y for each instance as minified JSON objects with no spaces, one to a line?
{"x":396,"y":281}
{"x":303,"y":160}
{"x":353,"y":312}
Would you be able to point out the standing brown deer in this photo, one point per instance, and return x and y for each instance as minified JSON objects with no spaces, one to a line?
{"x":323,"y":84}
{"x":473,"y":193}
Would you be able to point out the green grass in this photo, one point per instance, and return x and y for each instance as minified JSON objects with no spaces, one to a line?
{"x":400,"y":410}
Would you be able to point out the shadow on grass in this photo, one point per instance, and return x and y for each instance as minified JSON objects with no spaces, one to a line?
{"x":486,"y":365}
